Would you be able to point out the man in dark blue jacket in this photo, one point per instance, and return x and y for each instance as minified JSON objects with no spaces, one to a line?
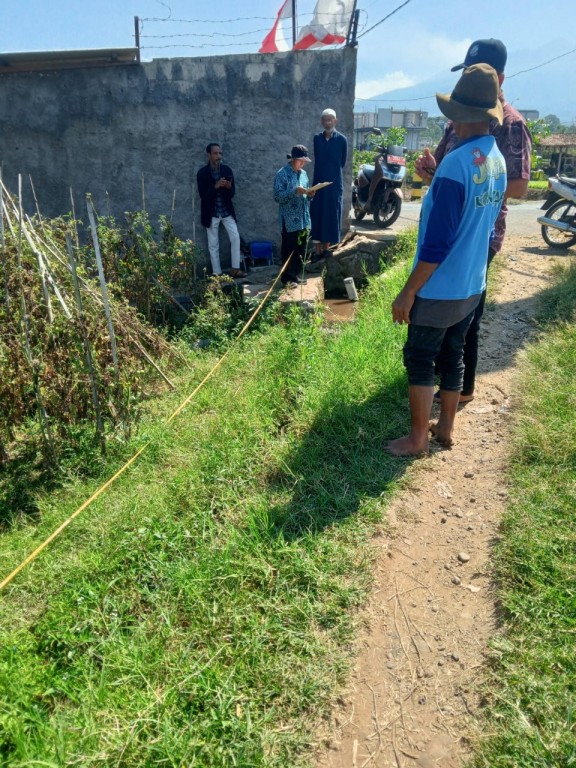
{"x":216,"y":189}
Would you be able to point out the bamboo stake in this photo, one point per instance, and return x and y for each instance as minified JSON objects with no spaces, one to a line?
{"x":3,"y":244}
{"x":43,"y":280}
{"x":169,"y":296}
{"x":43,"y":416}
{"x":152,"y":363}
{"x":28,"y":234}
{"x":86,"y":341}
{"x":40,"y":219}
{"x":74,"y":218}
{"x":103,"y":284}
{"x":41,"y":269}
{"x":55,"y":288}
{"x":173,"y":206}
{"x":45,"y":275}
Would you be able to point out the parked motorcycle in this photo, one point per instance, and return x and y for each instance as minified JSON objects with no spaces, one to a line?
{"x":559,"y":223}
{"x":390,"y":170}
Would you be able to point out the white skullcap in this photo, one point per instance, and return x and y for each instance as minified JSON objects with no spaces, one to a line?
{"x":328,"y":112}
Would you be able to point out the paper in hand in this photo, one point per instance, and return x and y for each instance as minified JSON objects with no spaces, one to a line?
{"x":321,"y":185}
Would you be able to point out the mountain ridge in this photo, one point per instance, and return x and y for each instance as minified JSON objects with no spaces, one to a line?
{"x":543,"y":88}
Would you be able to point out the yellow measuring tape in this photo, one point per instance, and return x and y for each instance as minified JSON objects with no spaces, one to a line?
{"x":33,"y":555}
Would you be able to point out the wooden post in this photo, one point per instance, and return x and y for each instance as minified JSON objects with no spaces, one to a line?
{"x":294,"y":24}
{"x":103,"y":284}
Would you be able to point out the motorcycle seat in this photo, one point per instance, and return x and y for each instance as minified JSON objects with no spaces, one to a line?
{"x":565,"y":180}
{"x":368,"y":171}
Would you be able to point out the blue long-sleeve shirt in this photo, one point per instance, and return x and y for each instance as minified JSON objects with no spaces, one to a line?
{"x":294,"y":209}
{"x":458,"y":216}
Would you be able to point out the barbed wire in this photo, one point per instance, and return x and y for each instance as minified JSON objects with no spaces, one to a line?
{"x":218,"y":34}
{"x":200,"y":34}
{"x":200,"y":45}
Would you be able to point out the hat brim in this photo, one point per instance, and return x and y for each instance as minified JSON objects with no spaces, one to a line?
{"x":457,"y":67}
{"x":462,"y":113}
{"x":307,"y":159}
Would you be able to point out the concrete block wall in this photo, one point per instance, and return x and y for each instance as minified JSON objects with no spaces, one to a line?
{"x":100,"y":130}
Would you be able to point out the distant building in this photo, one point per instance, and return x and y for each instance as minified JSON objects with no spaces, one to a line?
{"x":529,"y":114}
{"x":414,"y":122}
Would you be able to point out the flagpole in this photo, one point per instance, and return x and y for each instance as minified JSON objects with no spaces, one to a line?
{"x":349,"y":35}
{"x":293,"y":23}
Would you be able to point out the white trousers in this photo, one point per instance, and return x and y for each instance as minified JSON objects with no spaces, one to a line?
{"x":213,"y":245}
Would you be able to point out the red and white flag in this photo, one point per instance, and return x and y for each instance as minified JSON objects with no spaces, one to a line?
{"x":275,"y":40}
{"x":329,"y":25}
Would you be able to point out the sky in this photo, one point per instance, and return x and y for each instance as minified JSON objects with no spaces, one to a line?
{"x":420,"y":40}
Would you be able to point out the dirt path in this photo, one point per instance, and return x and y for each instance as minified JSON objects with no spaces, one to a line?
{"x":413,"y":694}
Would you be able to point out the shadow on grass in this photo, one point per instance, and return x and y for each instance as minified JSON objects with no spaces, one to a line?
{"x":340,"y":463}
{"x":21,"y":479}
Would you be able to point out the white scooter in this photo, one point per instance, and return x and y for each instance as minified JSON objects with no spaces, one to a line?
{"x":559,"y":223}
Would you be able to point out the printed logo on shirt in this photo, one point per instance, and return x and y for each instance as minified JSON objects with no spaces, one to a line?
{"x":489,"y":198}
{"x":486,"y":167}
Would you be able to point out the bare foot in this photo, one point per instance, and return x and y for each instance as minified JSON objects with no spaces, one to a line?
{"x":444,"y":438}
{"x":406,"y":446}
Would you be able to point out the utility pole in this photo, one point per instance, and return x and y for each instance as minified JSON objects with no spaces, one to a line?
{"x":294,"y":26}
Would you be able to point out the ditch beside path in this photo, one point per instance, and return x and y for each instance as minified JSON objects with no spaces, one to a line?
{"x":413,"y":697}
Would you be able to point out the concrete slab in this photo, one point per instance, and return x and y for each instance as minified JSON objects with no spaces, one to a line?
{"x":261,"y":278}
{"x":311,"y":292}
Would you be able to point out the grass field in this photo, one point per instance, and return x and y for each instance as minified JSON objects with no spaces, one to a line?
{"x":531,"y":695}
{"x":201,"y":612}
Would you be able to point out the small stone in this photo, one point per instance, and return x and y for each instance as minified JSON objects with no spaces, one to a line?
{"x":495,"y":401}
{"x":422,"y":700}
{"x":472,"y":499}
{"x":458,"y":512}
{"x":464,"y":557}
{"x":443,"y":519}
{"x":440,"y":662}
{"x":420,"y":672}
{"x":456,"y":580}
{"x":434,"y":609}
{"x":502,"y":493}
{"x":448,"y":566}
{"x":455,"y":657}
{"x":469,"y":474}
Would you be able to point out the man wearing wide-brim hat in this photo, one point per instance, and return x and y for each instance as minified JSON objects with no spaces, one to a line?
{"x":514,"y":141}
{"x":449,"y":272}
